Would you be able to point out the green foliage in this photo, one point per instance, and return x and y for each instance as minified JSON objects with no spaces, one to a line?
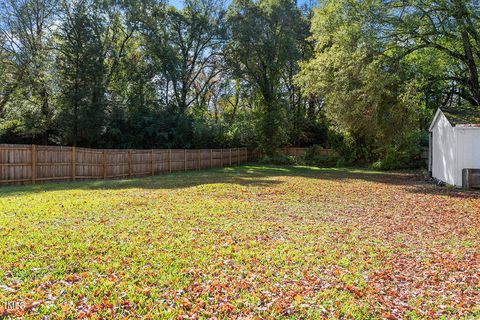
{"x":265,"y":38}
{"x":145,"y":74}
{"x":10,"y":130}
{"x":184,"y":46}
{"x":82,"y":72}
{"x":313,"y":157}
{"x":402,"y":153}
{"x":26,"y":44}
{"x":371,"y":100}
{"x":312,"y":152}
{"x":349,"y":148}
{"x":356,"y":76}
{"x":280,"y":159}
{"x":441,"y":39}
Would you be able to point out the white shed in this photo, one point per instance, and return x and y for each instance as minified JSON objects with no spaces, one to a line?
{"x":454,"y":146}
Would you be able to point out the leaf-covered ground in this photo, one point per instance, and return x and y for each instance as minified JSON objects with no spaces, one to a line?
{"x":249,"y":242}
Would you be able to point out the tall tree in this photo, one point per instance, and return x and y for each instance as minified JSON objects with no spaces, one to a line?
{"x":7,"y":74}
{"x":185,"y":46}
{"x":448,"y":29}
{"x":25,"y":29}
{"x":82,"y":73}
{"x":369,"y":99}
{"x":264,"y":38}
{"x":138,"y":73}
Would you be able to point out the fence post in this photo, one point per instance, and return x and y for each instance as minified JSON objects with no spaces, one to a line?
{"x":221,"y":157}
{"x":34,"y":163}
{"x":238,"y":156}
{"x":74,"y":163}
{"x":211,"y":158}
{"x":169,"y":160}
{"x":104,"y":165}
{"x":246,"y":154}
{"x":184,"y":159}
{"x":230,"y":157}
{"x":152,"y":162}
{"x":129,"y":163}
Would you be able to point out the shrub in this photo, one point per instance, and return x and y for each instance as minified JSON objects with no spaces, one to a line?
{"x":311,"y":154}
{"x":351,"y":149}
{"x":403,"y":153}
{"x":280,"y":159}
{"x":343,"y":162}
{"x":313,"y":158}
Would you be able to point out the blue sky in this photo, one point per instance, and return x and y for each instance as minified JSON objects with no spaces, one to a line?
{"x":176,"y":3}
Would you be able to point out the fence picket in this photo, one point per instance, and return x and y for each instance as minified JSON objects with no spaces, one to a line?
{"x":74,"y":161}
{"x":34,"y":164}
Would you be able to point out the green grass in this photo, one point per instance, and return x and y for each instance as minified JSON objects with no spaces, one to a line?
{"x":252,"y":242}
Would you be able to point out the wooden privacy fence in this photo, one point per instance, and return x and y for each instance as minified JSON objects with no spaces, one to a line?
{"x":32,"y":163}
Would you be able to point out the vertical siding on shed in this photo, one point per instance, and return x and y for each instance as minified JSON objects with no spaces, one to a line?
{"x":468,"y":150}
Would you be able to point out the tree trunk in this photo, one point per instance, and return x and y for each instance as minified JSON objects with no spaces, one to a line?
{"x":46,"y":115}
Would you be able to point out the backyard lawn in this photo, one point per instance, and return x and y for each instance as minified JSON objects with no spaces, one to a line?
{"x":248,"y":242}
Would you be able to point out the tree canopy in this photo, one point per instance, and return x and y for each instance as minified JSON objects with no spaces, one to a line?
{"x":361,"y":76}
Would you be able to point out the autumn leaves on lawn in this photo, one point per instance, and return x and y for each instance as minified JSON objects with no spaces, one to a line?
{"x":258,"y":242}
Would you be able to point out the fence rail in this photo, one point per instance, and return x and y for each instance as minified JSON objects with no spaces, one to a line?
{"x":33,"y":163}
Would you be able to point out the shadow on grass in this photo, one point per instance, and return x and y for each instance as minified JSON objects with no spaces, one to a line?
{"x":254,"y":175}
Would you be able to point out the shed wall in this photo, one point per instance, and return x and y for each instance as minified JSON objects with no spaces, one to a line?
{"x":468,"y":151}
